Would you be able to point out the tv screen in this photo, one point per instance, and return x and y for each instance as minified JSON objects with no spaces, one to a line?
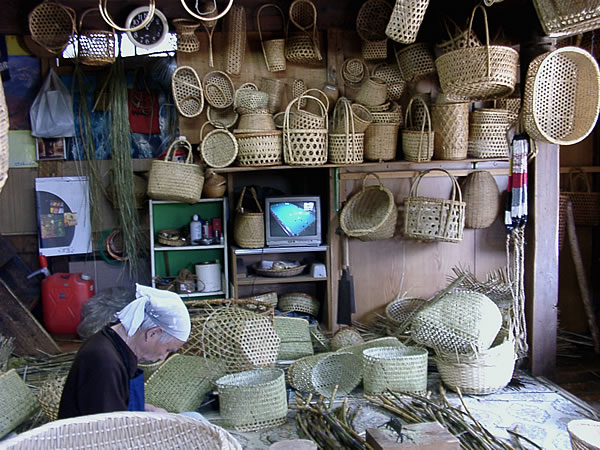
{"x":293,"y":221}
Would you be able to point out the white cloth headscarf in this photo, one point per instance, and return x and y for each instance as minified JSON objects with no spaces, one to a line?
{"x":165,"y":308}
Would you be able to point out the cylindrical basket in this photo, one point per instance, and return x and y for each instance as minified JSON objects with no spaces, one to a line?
{"x":273,"y":49}
{"x":373,"y":92}
{"x":346,"y":146}
{"x":381,"y":141}
{"x":274,"y":87}
{"x":417,"y":145}
{"x":187,"y":41}
{"x":434,"y":219}
{"x":302,"y":118}
{"x":451,"y":127}
{"x":488,"y":134}
{"x":299,"y":302}
{"x":249,"y":227}
{"x":405,"y":20}
{"x":482,"y":199}
{"x":371,"y":21}
{"x":249,"y":100}
{"x":234,"y":26}
{"x":401,"y":369}
{"x":415,"y":61}
{"x":95,"y":47}
{"x":371,"y":213}
{"x":253,"y":400}
{"x":263,"y":148}
{"x":306,"y":147}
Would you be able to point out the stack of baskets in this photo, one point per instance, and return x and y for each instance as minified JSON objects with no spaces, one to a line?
{"x":346,"y":143}
{"x":305,"y":132}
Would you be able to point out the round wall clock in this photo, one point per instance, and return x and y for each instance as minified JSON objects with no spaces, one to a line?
{"x":152,"y":34}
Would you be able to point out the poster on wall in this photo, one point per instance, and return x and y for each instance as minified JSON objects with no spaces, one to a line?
{"x":63,"y":215}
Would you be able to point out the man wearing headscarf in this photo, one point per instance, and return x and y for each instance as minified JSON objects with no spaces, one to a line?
{"x":104,"y":376}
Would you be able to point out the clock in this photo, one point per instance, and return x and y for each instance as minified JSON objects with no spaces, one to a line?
{"x":152,"y":34}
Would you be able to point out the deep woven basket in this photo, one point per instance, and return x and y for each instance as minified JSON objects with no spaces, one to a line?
{"x":372,"y":92}
{"x":371,"y":21}
{"x":52,"y":25}
{"x":275,"y":87}
{"x":253,"y":400}
{"x":567,"y":18}
{"x":434,"y":219}
{"x":187,"y":91}
{"x":451,"y":127}
{"x":401,"y":369}
{"x":584,"y":434}
{"x":357,"y":349}
{"x":370,"y":214}
{"x":562,"y":100}
{"x":273,"y":49}
{"x":405,"y":20}
{"x":345,"y":337}
{"x":482,"y":199}
{"x":295,"y":338}
{"x":417,"y":144}
{"x":302,"y":118}
{"x":393,"y":78}
{"x":346,"y":148}
{"x":262,"y":148}
{"x":488,"y":134}
{"x":218,"y":148}
{"x":248,"y":100}
{"x":302,"y":45}
{"x":299,"y":302}
{"x":234,"y":27}
{"x":415,"y":61}
{"x":187,"y":41}
{"x":586,"y":204}
{"x":306,"y":147}
{"x":381,"y":141}
{"x":218,"y":89}
{"x":458,"y":322}
{"x":17,"y":401}
{"x":175,"y":181}
{"x":400,"y":312}
{"x":95,"y":47}
{"x":346,"y":144}
{"x":249,"y":227}
{"x":258,"y":120}
{"x":49,"y":396}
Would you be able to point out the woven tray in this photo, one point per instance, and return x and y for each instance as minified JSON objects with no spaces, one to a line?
{"x":279,"y":273}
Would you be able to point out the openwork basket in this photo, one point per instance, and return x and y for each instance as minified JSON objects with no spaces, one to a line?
{"x":303,"y":118}
{"x":52,"y":25}
{"x":488,"y":134}
{"x":302,"y":46}
{"x":218,"y":89}
{"x":49,"y":396}
{"x":566,"y":18}
{"x":269,"y":298}
{"x":346,"y":145}
{"x":405,"y":20}
{"x":249,"y":227}
{"x":221,"y":118}
{"x":381,"y":141}
{"x":586,"y":204}
{"x":457,"y":38}
{"x":357,"y":349}
{"x":346,"y":148}
{"x":482,"y":199}
{"x":218,"y":148}
{"x":371,"y":213}
{"x":253,"y":400}
{"x":417,"y":144}
{"x":392,"y":115}
{"x":248,"y":100}
{"x":401,"y":369}
{"x":393,"y":79}
{"x":354,"y":71}
{"x":295,"y":337}
{"x":415,"y":61}
{"x":182,"y":382}
{"x":234,"y":26}
{"x":562,"y":100}
{"x":187,"y":41}
{"x":275,"y":88}
{"x":187,"y":91}
{"x":263,"y":148}
{"x":299,"y":302}
{"x":401,"y":310}
{"x":345,"y":337}
{"x":371,"y":21}
{"x":584,"y":434}
{"x":17,"y":401}
{"x":175,"y":181}
{"x":307,"y":147}
{"x":458,"y":322}
{"x":95,"y":47}
{"x":451,"y":128}
{"x":283,"y":272}
{"x":478,"y":72}
{"x":373,"y":92}
{"x":273,"y":49}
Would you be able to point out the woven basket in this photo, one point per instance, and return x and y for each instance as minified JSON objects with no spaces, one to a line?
{"x":249,"y":227}
{"x":392,"y":115}
{"x":187,"y":41}
{"x":269,"y":298}
{"x":488,"y":134}
{"x":405,"y":20}
{"x":562,"y":99}
{"x":306,"y":147}
{"x":221,"y":118}
{"x":373,"y":92}
{"x":357,"y":349}
{"x":417,"y":145}
{"x":458,"y":322}
{"x":303,"y":119}
{"x":17,"y":401}
{"x":567,"y":18}
{"x":95,"y":47}
{"x":52,"y":25}
{"x":434,"y":219}
{"x":354,"y":71}
{"x":275,"y":88}
{"x":482,"y":199}
{"x":322,"y":373}
{"x":393,"y":79}
{"x":415,"y":61}
{"x":174,"y":181}
{"x":273,"y":49}
{"x":480,"y":71}
{"x":379,"y":108}
{"x":253,"y":400}
{"x":483,"y":372}
{"x":260,"y":120}
{"x":371,"y":213}
{"x":299,"y":302}
{"x":381,"y":141}
{"x":234,"y":27}
{"x":457,"y":38}
{"x":302,"y":46}
{"x":294,"y":335}
{"x":49,"y":396}
{"x":400,"y":312}
{"x":218,"y":148}
{"x":248,"y":100}
{"x":297,"y":89}
{"x":586,"y":204}
{"x":187,"y":91}
{"x":451,"y":127}
{"x":182,"y":382}
{"x":402,"y":369}
{"x":584,"y":434}
{"x":346,"y":145}
{"x":279,"y":272}
{"x":371,"y":21}
{"x":512,"y":105}
{"x":345,"y":337}
{"x":218,"y":89}
{"x":262,"y":148}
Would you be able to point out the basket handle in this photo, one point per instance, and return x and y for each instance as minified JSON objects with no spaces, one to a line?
{"x":85,"y":13}
{"x":320,"y":93}
{"x":427,"y":116}
{"x":205,"y":17}
{"x":487,"y":33}
{"x":314,"y":14}
{"x":286,"y":121}
{"x":456,"y":29}
{"x":414,"y":189}
{"x":253,"y":192}
{"x":313,"y":26}
{"x":271,"y":5}
{"x":219,"y":89}
{"x":364,"y":180}
{"x":186,"y":144}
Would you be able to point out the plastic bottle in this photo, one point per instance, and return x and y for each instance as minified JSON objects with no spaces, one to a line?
{"x":195,"y":230}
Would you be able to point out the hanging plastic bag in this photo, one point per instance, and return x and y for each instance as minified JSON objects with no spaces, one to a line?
{"x":51,"y":113}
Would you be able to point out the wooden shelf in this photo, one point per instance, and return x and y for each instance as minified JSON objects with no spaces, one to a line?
{"x":253,"y":280}
{"x":166,"y":248}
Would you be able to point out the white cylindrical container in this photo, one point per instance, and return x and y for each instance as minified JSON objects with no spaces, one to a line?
{"x":208,"y":275}
{"x":195,"y":230}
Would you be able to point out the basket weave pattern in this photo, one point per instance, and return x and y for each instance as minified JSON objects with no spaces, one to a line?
{"x":302,"y":46}
{"x":260,"y":148}
{"x":586,"y":204}
{"x":187,"y":41}
{"x":451,"y":127}
{"x":401,"y":310}
{"x":304,"y":146}
{"x":49,"y":396}
{"x":17,"y":401}
{"x":567,"y":18}
{"x":405,"y":20}
{"x":415,"y":61}
{"x":219,"y":148}
{"x":393,"y":78}
{"x":417,"y":145}
{"x":299,"y":302}
{"x":52,"y":25}
{"x":345,"y":337}
{"x":396,"y":368}
{"x":187,"y":91}
{"x":482,"y":199}
{"x":218,"y":89}
{"x":488,"y":134}
{"x":234,"y":25}
{"x":248,"y":227}
{"x":295,"y":337}
{"x":273,"y":49}
{"x":357,"y":349}
{"x":95,"y":47}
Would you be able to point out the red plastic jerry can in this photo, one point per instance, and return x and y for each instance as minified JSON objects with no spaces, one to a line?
{"x":63,"y":295}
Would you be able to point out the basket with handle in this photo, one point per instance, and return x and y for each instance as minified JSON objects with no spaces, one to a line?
{"x":417,"y":144}
{"x":219,"y":147}
{"x":434,"y":219}
{"x":302,"y":118}
{"x":457,"y":39}
{"x":273,"y":49}
{"x":303,"y":146}
{"x":586,"y":204}
{"x":175,"y":181}
{"x":488,"y":134}
{"x":346,"y":146}
{"x":371,"y":21}
{"x":371,"y":213}
{"x":218,"y":89}
{"x":567,"y":18}
{"x":187,"y":91}
{"x":451,"y":128}
{"x":405,"y":20}
{"x":234,"y":26}
{"x":415,"y":61}
{"x":95,"y":47}
{"x":52,"y":25}
{"x":303,"y":45}
{"x":249,"y":227}
{"x":478,"y":72}
{"x":187,"y":41}
{"x":261,"y":148}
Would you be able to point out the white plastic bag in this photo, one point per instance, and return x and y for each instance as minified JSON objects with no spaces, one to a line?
{"x":51,"y":113}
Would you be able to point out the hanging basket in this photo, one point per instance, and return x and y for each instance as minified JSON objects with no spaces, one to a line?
{"x":370,"y":214}
{"x":405,"y":20}
{"x":393,"y":79}
{"x":52,"y":25}
{"x":482,"y":199}
{"x":187,"y":41}
{"x":218,"y":89}
{"x":354,"y":71}
{"x":249,"y":227}
{"x":417,"y":145}
{"x":221,"y":118}
{"x":302,"y":46}
{"x":219,"y":148}
{"x":273,"y":49}
{"x":451,"y":128}
{"x":234,"y":26}
{"x":373,"y":92}
{"x":560,"y":19}
{"x":275,"y":88}
{"x":458,"y":38}
{"x":95,"y":47}
{"x":415,"y":61}
{"x":187,"y":91}
{"x":249,"y":100}
{"x":434,"y":219}
{"x":307,"y":147}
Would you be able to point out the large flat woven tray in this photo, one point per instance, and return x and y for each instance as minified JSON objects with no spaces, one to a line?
{"x":280,"y":273}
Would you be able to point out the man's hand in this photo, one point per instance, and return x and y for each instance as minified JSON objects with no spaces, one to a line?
{"x":151,"y":408}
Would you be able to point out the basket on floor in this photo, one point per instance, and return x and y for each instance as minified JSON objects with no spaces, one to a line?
{"x":273,"y":49}
{"x":95,"y":47}
{"x":561,"y":100}
{"x":482,"y":199}
{"x":17,"y":401}
{"x":253,"y":400}
{"x":415,"y":61}
{"x":295,"y":341}
{"x":218,"y":89}
{"x":49,"y":396}
{"x":584,"y":434}
{"x":187,"y":91}
{"x":371,"y":21}
{"x":249,"y":227}
{"x":586,"y":204}
{"x":175,"y":181}
{"x":299,"y":302}
{"x":261,"y":148}
{"x":488,"y":134}
{"x":307,"y":147}
{"x":451,"y":128}
{"x":219,"y":147}
{"x":345,"y":337}
{"x":478,"y":72}
{"x":434,"y":219}
{"x":234,"y":28}
{"x":371,"y":213}
{"x":567,"y":18}
{"x":357,"y":349}
{"x":402,"y":369}
{"x":52,"y":25}
{"x":401,"y":310}
{"x":417,"y":144}
{"x":405,"y":20}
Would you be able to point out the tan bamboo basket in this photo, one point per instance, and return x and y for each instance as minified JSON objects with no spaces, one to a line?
{"x":451,"y":128}
{"x":4,"y":125}
{"x":221,"y":118}
{"x":259,"y":120}
{"x":301,"y":118}
{"x":379,"y":108}
{"x":346,"y":146}
{"x":488,"y":134}
{"x":402,"y":369}
{"x":381,"y":141}
{"x":187,"y":91}
{"x":218,"y":89}
{"x":512,"y":105}
{"x":415,"y":61}
{"x":372,"y":92}
{"x":95,"y":47}
{"x":560,"y":19}
{"x":357,"y":349}
{"x":371,"y":213}
{"x":218,"y":148}
{"x":586,"y":204}
{"x":434,"y":219}
{"x":52,"y":25}
{"x":584,"y":434}
{"x":298,"y":88}
{"x":561,"y":100}
{"x":417,"y":144}
{"x":187,"y":41}
{"x":234,"y":26}
{"x":275,"y":88}
{"x":345,"y":337}
{"x":249,"y":227}
{"x":371,"y":21}
{"x":307,"y":147}
{"x":314,"y":107}
{"x":361,"y":117}
{"x":273,"y":49}
{"x":457,"y":38}
{"x":392,"y":115}
{"x":17,"y":401}
{"x":262,"y":148}
{"x":294,"y":335}
{"x":400,"y":312}
{"x":478,"y":72}
{"x":405,"y":20}
{"x":268,"y":297}
{"x":299,"y":302}
{"x":482,"y":199}
{"x":303,"y":45}
{"x":393,"y":78}
{"x":49,"y":396}
{"x":175,"y":181}
{"x":279,"y":272}
{"x":354,"y":71}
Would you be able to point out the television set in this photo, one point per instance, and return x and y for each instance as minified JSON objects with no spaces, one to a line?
{"x":293,"y":221}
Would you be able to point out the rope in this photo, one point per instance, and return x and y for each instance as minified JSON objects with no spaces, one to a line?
{"x":515,"y":256}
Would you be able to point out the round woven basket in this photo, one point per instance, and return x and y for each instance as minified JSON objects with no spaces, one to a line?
{"x":373,"y":92}
{"x":401,"y":310}
{"x":405,"y":20}
{"x":218,"y":89}
{"x":307,"y":147}
{"x":218,"y":148}
{"x":402,"y":369}
{"x":354,"y":71}
{"x":345,"y":337}
{"x":451,"y":128}
{"x":248,"y":100}
{"x":259,"y":120}
{"x":562,"y":96}
{"x":482,"y":199}
{"x":488,"y":134}
{"x":371,"y":213}
{"x":415,"y":61}
{"x":187,"y":41}
{"x":417,"y":144}
{"x":263,"y":148}
{"x":253,"y":400}
{"x":52,"y":25}
{"x":295,"y":337}
{"x":299,"y":302}
{"x":273,"y":49}
{"x":381,"y":141}
{"x":393,"y":78}
{"x":357,"y":349}
{"x":249,"y":227}
{"x":371,"y":21}
{"x":584,"y":434}
{"x":187,"y":91}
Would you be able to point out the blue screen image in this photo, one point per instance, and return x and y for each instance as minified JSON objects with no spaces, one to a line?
{"x":293,"y":219}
